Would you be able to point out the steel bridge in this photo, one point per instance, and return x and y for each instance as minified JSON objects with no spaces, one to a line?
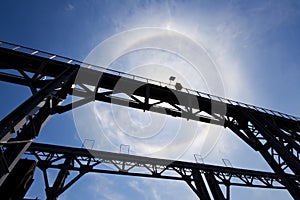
{"x":52,"y":79}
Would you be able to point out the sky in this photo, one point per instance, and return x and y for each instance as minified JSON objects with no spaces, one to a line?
{"x":242,"y":50}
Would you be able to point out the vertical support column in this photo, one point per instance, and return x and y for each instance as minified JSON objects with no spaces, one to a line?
{"x":214,"y":186}
{"x":147,"y":96}
{"x":227,"y":191}
{"x":201,"y":189}
{"x":54,"y":191}
{"x":59,"y":186}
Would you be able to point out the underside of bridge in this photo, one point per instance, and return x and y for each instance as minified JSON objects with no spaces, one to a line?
{"x":52,"y":79}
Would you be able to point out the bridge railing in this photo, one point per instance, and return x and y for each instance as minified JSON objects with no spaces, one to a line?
{"x":52,"y":56}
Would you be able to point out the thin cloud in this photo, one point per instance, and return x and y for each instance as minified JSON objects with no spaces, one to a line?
{"x":224,"y":35}
{"x":69,"y":7}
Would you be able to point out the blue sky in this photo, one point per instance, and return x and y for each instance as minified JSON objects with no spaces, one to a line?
{"x":255,"y":46}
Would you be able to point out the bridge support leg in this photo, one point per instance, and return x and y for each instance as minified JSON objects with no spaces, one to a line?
{"x":28,"y":119}
{"x":59,"y":186}
{"x":54,"y":191}
{"x":199,"y":186}
{"x":214,"y":186}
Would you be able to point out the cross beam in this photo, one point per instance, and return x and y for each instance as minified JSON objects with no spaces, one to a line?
{"x":275,"y":135}
{"x":85,"y":161}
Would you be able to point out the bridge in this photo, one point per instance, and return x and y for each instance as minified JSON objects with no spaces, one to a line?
{"x":53,"y":78}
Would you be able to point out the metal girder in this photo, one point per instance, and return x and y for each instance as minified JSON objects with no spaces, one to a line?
{"x":111,"y":80}
{"x":54,"y":191}
{"x":200,"y":188}
{"x":183,"y":102}
{"x":280,"y":150}
{"x":84,"y":161}
{"x":19,"y":180}
{"x":25,"y":122}
{"x":214,"y":186}
{"x":275,"y":135}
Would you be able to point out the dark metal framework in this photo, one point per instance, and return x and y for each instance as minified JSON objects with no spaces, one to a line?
{"x":52,"y":78}
{"x":67,"y":159}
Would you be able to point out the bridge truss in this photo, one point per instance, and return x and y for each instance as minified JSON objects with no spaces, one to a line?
{"x":84,"y":161}
{"x":52,"y":78}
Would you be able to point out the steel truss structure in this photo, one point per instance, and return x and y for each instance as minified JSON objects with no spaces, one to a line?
{"x":83,"y":161}
{"x":52,"y":78}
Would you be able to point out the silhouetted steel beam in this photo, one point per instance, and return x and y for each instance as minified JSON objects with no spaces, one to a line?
{"x":214,"y":186}
{"x":18,"y":181}
{"x":84,"y":161}
{"x":10,"y":59}
{"x":200,"y":188}
{"x":27,"y":119}
{"x":276,"y":136}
